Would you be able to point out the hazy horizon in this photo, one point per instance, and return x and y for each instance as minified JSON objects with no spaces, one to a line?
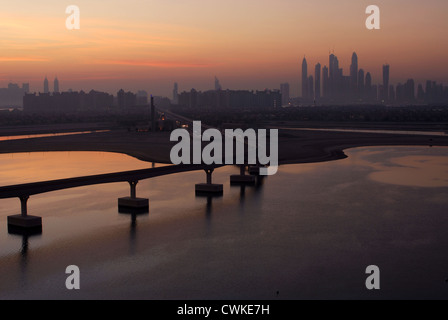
{"x":149,"y":45}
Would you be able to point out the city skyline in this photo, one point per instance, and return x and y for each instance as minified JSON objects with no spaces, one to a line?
{"x":154,"y":44}
{"x":320,"y":79}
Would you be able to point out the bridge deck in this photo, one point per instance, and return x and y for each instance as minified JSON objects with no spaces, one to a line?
{"x":29,"y":189}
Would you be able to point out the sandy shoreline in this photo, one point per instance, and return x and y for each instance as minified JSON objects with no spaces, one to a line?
{"x":295,"y":146}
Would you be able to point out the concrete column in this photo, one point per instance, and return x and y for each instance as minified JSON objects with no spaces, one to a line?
{"x":132,"y":202}
{"x":17,"y":224}
{"x":242,"y":178}
{"x":209,"y":188}
{"x":209,"y":175}
{"x":133,"y":185}
{"x":23,"y":203}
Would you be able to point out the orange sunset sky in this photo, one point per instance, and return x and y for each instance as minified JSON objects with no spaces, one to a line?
{"x":247,"y":44}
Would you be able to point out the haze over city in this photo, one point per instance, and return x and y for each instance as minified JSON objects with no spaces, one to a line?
{"x":248,"y":45}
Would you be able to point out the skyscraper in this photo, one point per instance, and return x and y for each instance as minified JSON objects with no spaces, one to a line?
{"x":217,"y":84}
{"x":56,"y":85}
{"x":46,"y":89}
{"x":317,"y":92}
{"x":368,"y":87}
{"x":361,"y":81}
{"x":385,"y":96}
{"x":310,"y":93}
{"x":354,"y":73}
{"x":26,"y":87}
{"x":331,"y":75}
{"x":325,"y":81}
{"x":409,"y":90}
{"x":284,"y":89}
{"x":304,"y":79}
{"x":175,"y":94}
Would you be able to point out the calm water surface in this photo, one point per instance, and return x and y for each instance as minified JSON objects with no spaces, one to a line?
{"x":309,"y":232}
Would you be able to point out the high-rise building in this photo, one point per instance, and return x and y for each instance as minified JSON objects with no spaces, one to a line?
{"x":175,"y":93}
{"x":304,"y":79}
{"x":325,"y":79}
{"x":354,"y":73}
{"x":56,"y":85}
{"x":142,"y":97}
{"x":317,"y":92}
{"x":217,"y":85}
{"x":420,"y":93}
{"x":26,"y":87}
{"x":284,"y":89}
{"x":385,"y":96}
{"x":46,"y":88}
{"x":310,"y":93}
{"x":368,"y":87}
{"x":361,"y":82}
{"x":409,"y":90}
{"x":331,"y":66}
{"x":391,"y":93}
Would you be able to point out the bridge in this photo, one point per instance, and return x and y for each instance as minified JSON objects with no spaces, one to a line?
{"x":131,"y":204}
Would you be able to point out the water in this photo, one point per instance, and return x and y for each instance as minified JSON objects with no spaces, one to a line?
{"x":403,"y":132}
{"x":309,"y":232}
{"x":43,"y":135}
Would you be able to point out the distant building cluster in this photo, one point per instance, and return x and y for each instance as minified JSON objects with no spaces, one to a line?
{"x":12,"y":96}
{"x":330,"y":86}
{"x":48,"y":102}
{"x":67,"y":102}
{"x":229,"y":99}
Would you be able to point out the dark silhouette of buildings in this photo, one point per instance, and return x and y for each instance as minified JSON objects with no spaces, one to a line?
{"x":284,"y":90}
{"x":56,"y":85}
{"x":385,"y":87}
{"x":230,"y":99}
{"x":325,"y":82}
{"x":175,"y":94}
{"x":354,"y":75}
{"x":142,"y":97}
{"x":46,"y":87}
{"x":317,"y":91}
{"x":305,"y":80}
{"x":67,"y":102}
{"x":358,"y":87}
{"x":12,"y":96}
{"x":217,"y":85}
{"x":126,"y":99}
{"x":361,"y":83}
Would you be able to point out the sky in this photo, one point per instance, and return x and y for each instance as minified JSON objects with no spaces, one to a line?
{"x":248,"y":44}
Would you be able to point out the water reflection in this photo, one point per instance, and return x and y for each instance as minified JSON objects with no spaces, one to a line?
{"x":133,"y":213}
{"x":406,"y":167}
{"x":305,"y":232}
{"x":43,"y":135}
{"x":18,"y":168}
{"x":23,"y":256}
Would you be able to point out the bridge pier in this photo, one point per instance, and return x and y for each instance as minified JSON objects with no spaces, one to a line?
{"x":24,"y":222}
{"x":132,"y":201}
{"x":242,"y":178}
{"x":209,"y":188}
{"x":255,"y":169}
